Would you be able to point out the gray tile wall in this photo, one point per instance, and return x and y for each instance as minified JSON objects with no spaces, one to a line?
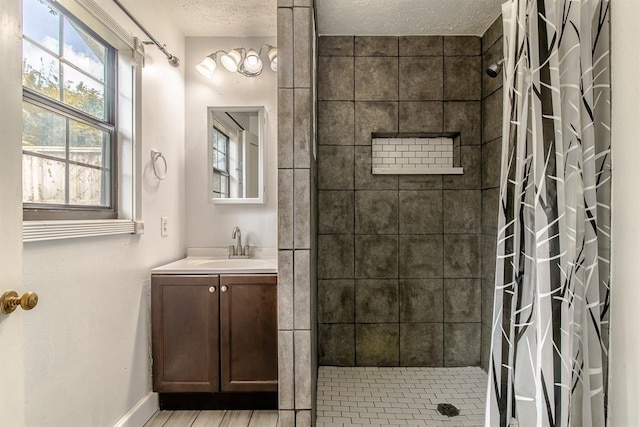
{"x":492,"y":51}
{"x":398,"y":256}
{"x":297,"y":221}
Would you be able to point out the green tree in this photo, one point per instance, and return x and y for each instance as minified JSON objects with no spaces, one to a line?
{"x":44,"y":128}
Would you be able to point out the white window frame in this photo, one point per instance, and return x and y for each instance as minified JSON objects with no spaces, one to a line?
{"x":214,"y":169}
{"x":129,"y":158}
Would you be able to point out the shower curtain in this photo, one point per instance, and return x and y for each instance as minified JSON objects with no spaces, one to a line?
{"x":550,"y":323}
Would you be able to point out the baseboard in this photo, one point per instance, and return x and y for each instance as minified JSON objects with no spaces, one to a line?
{"x":141,"y":413}
{"x":218,"y":401}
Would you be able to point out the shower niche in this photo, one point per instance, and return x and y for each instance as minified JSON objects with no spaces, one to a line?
{"x":415,"y":154}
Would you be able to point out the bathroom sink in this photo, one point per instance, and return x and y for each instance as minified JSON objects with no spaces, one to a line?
{"x":198,"y":265}
{"x":232,"y":263}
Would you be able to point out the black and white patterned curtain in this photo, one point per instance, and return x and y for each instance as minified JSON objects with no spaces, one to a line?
{"x":550,"y":322}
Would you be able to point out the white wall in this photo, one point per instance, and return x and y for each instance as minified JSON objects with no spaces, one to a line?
{"x":87,"y":343}
{"x":210,"y":225}
{"x":625,"y":289}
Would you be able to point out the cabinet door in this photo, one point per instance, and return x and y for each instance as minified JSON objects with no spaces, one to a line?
{"x":185,"y":328}
{"x":249,"y":332}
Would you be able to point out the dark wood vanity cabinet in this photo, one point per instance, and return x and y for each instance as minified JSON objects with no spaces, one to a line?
{"x":214,"y":333}
{"x":249,"y":331}
{"x":184,"y":333}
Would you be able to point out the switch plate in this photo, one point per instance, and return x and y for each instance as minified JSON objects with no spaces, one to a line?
{"x":164,"y":226}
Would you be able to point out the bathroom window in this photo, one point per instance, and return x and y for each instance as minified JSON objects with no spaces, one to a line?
{"x":69,"y":110}
{"x":220,"y":163}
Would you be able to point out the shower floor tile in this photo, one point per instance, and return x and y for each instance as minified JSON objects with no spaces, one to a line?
{"x":356,"y":397}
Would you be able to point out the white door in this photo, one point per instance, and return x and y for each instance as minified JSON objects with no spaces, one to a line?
{"x":11,"y":337}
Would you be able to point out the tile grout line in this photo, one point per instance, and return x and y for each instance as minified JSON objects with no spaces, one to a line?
{"x":355,"y":287}
{"x":444,"y":324}
{"x":482,"y":255}
{"x":398,"y":212}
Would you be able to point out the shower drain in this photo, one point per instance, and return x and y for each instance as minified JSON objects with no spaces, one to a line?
{"x":448,"y":409}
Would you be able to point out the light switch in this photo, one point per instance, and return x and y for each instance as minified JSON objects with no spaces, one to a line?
{"x":164,"y":226}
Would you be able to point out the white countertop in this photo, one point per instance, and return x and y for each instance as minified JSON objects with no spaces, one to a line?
{"x":216,"y":261}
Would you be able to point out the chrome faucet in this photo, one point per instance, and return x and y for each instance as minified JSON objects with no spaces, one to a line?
{"x":238,"y":251}
{"x":236,"y":234}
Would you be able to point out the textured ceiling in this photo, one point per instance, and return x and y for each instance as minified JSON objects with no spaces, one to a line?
{"x":257,"y":18}
{"x":222,"y":18}
{"x":406,"y":17}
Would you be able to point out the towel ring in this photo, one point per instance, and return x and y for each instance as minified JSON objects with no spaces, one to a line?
{"x":155,"y":155}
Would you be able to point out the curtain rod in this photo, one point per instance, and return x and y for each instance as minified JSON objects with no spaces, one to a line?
{"x":174,"y":61}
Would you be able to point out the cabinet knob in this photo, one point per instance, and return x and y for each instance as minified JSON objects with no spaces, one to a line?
{"x":212,"y":289}
{"x":224,"y":289}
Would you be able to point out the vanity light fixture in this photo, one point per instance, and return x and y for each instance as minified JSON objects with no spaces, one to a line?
{"x":245,"y":62}
{"x":208,"y":66}
{"x":231,"y":60}
{"x":252,"y":62}
{"x":272,"y":54}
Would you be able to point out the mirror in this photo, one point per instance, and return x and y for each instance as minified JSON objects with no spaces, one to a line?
{"x":236,"y":154}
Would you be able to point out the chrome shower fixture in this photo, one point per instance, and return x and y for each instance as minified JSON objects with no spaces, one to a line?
{"x":494,"y":69}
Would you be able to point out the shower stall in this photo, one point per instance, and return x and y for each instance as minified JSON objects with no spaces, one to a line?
{"x":390,"y":278}
{"x":405,"y":262}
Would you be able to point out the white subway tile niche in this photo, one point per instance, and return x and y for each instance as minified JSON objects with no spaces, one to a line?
{"x":419,"y":155}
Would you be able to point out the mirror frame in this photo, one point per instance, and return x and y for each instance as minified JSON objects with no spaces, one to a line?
{"x":262,"y":141}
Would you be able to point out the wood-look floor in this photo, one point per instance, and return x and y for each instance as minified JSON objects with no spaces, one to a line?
{"x":213,"y":419}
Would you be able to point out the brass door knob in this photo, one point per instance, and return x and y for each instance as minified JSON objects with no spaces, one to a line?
{"x":9,"y":301}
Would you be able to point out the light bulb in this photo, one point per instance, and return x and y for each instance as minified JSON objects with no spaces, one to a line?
{"x":252,"y":62}
{"x":207,"y":67}
{"x":231,"y":60}
{"x":273,"y":58}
